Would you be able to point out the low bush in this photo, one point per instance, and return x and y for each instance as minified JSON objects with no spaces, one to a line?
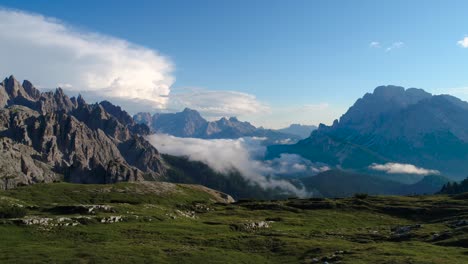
{"x":12,"y":211}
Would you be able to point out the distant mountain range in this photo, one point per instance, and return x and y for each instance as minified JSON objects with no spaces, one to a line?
{"x":302,"y":131}
{"x":393,"y":125}
{"x":47,"y":137}
{"x":189,"y":123}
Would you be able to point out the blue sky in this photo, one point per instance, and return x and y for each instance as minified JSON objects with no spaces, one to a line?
{"x":301,"y":61}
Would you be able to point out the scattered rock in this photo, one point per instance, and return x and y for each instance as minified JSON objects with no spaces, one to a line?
{"x":112,"y":219}
{"x":44,"y":221}
{"x":187,"y":214}
{"x":82,"y":209}
{"x":399,"y":233}
{"x":92,"y":209}
{"x":251,"y":226}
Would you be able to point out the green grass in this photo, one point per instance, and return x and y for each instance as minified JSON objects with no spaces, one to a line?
{"x":155,"y":232}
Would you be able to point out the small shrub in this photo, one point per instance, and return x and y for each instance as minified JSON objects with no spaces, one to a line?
{"x":361,"y":195}
{"x":12,"y":211}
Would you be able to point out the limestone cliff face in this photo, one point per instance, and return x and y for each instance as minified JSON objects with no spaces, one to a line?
{"x":47,"y":136}
{"x":19,"y":166}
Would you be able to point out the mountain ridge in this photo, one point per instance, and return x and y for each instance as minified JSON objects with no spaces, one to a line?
{"x":189,"y":123}
{"x":66,"y":138}
{"x":392,"y":124}
{"x":302,"y":131}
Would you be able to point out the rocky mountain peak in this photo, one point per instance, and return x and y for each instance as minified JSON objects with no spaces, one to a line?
{"x":80,"y":101}
{"x":57,"y":135}
{"x":117,"y":112}
{"x":394,"y":124}
{"x":399,"y":94}
{"x":31,"y":90}
{"x":14,"y":88}
{"x":389,"y":91}
{"x":99,"y":112}
{"x":383,"y":101}
{"x":193,"y":114}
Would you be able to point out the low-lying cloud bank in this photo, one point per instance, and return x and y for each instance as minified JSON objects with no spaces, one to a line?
{"x":293,"y":165}
{"x":399,"y":168}
{"x":243,"y":155}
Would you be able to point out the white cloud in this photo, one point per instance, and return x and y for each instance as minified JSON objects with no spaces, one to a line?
{"x":294,"y":165}
{"x":396,"y":168}
{"x":463,"y":43}
{"x":50,"y":53}
{"x":395,"y":45}
{"x":374,"y":44}
{"x":216,"y":104}
{"x":242,"y":154}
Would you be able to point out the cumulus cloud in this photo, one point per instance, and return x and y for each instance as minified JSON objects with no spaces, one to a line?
{"x":51,"y":53}
{"x":397,"y":168}
{"x":395,"y":45}
{"x":463,"y":42}
{"x":243,"y":155}
{"x":215,"y":104}
{"x":374,"y":44}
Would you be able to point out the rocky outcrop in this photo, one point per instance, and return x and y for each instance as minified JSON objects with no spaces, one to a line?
{"x":21,"y":165}
{"x":45,"y":135}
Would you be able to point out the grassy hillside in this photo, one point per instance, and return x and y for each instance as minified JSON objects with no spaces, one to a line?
{"x":336,"y":183}
{"x":167,"y":223}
